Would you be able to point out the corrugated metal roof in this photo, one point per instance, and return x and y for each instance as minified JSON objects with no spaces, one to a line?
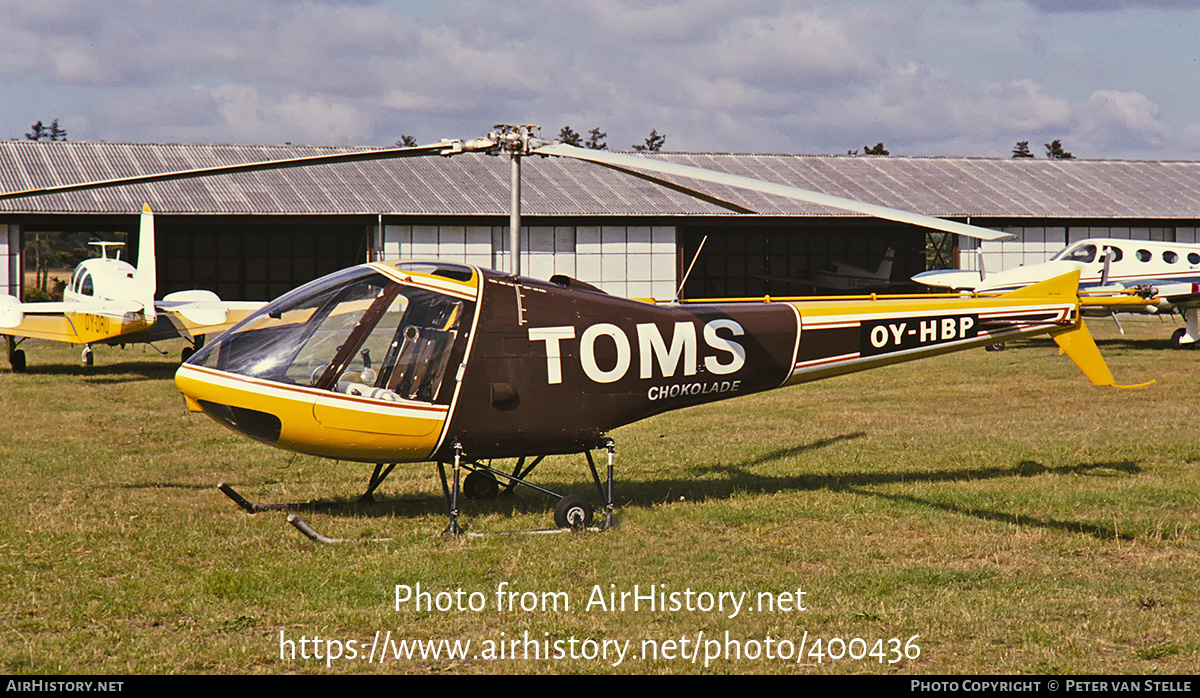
{"x":474,"y":184}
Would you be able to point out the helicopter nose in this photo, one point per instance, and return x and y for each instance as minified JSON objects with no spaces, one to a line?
{"x":260,"y":426}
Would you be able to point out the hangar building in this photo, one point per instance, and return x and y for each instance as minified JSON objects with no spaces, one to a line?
{"x":255,"y":236}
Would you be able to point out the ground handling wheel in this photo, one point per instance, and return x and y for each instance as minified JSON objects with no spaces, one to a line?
{"x":573,"y":511}
{"x":480,"y":485}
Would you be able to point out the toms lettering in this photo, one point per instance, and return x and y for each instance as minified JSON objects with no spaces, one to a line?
{"x":885,"y":336}
{"x":649,"y":353}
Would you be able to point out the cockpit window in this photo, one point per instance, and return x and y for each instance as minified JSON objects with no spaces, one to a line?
{"x":85,"y":286}
{"x":358,"y":333}
{"x":1114,"y":253}
{"x":1081,"y":253}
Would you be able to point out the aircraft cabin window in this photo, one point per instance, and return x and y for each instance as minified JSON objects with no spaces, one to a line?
{"x":1170,"y":257}
{"x":1114,"y":253}
{"x":1143,"y":255}
{"x":1193,"y":258}
{"x":1083,"y":253}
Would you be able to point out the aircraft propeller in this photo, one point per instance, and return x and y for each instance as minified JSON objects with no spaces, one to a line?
{"x":1108,"y":253}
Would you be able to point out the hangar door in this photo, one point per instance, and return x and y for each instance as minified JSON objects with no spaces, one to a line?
{"x":254,"y":258}
{"x":779,"y":260}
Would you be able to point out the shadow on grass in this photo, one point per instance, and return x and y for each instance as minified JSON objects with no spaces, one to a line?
{"x":531,"y":502}
{"x":779,"y":454}
{"x":1132,"y":344}
{"x":124,"y":372}
{"x":1090,"y":529}
{"x":733,"y":480}
{"x":742,"y":480}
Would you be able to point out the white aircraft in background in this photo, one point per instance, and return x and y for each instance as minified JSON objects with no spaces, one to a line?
{"x":109,"y":301}
{"x":849,"y":277}
{"x":1166,"y":274}
{"x":841,"y":276}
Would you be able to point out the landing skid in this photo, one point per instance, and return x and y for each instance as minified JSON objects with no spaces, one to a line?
{"x":572,"y":512}
{"x":248,"y":506}
{"x":314,"y":535}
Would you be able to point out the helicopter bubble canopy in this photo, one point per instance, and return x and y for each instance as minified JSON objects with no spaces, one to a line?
{"x":362,"y":331}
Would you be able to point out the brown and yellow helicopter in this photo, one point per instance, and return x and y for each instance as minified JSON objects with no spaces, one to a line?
{"x":412,"y":361}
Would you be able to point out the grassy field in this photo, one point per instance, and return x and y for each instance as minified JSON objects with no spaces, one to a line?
{"x":995,"y":505}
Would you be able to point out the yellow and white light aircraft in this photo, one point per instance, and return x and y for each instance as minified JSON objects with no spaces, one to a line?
{"x":1165,"y":274}
{"x":109,"y":301}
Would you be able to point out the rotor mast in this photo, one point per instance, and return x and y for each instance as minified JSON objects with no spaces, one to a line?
{"x":517,"y":141}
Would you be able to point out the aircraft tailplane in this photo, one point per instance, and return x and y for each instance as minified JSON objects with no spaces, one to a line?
{"x":1076,"y":342}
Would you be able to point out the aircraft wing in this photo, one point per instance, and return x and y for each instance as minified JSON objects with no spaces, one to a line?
{"x":77,"y":323}
{"x":36,"y":320}
{"x":187,"y":314}
{"x":195,"y":313}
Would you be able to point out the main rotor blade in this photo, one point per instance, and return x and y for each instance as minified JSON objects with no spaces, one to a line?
{"x":443,"y":148}
{"x":668,"y":184}
{"x":624,"y":162}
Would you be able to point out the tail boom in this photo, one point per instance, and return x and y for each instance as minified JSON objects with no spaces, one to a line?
{"x":845,"y":336}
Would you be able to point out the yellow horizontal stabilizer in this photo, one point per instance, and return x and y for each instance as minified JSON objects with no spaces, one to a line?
{"x":1077,"y":343}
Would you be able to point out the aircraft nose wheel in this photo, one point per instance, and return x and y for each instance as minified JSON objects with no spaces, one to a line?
{"x":573,"y":511}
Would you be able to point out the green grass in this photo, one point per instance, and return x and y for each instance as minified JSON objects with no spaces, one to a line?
{"x":1014,"y":517}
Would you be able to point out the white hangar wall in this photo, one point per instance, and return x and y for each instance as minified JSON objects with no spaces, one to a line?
{"x":1035,"y":245}
{"x":10,"y":252}
{"x":634,"y":261}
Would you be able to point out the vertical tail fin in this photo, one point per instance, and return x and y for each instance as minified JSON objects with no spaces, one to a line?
{"x":885,"y":267}
{"x":1081,"y":348}
{"x":147,"y":271}
{"x":1076,"y":342}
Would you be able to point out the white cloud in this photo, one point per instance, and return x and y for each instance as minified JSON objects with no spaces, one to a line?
{"x":800,"y":50}
{"x":927,"y":77}
{"x":1123,"y":122}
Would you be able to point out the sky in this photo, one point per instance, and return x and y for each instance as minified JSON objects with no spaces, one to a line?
{"x":1109,"y":78}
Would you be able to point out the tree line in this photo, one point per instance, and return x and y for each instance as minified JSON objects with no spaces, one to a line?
{"x":1054,"y":150}
{"x":595,"y":141}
